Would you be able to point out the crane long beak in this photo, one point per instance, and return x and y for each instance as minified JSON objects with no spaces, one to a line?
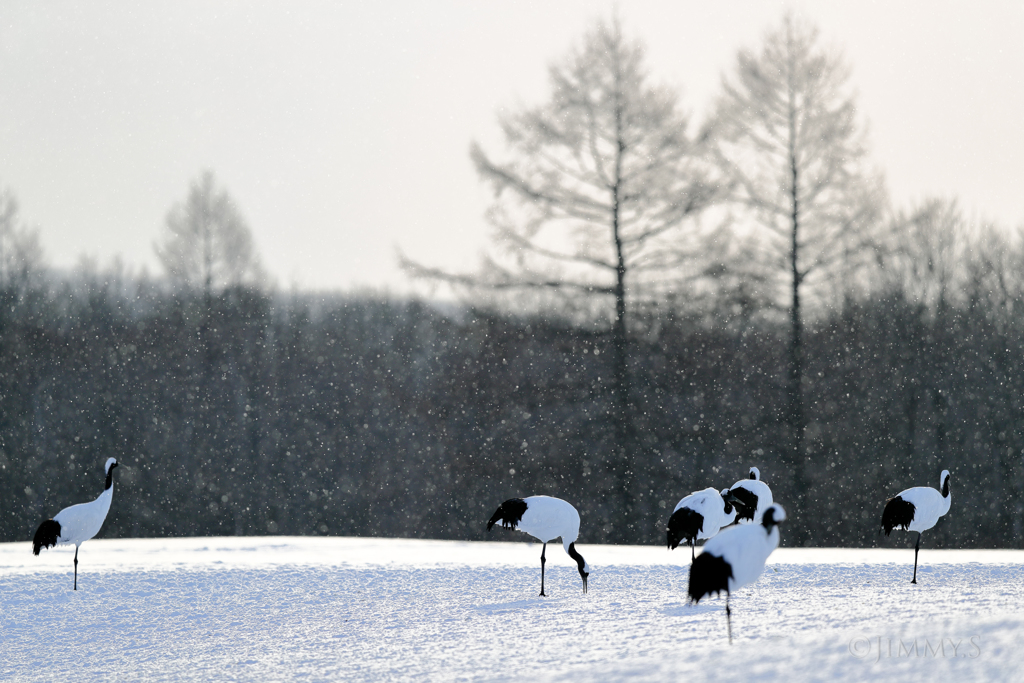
{"x":584,"y":585}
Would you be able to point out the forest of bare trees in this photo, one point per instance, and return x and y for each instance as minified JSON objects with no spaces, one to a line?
{"x":666,"y":304}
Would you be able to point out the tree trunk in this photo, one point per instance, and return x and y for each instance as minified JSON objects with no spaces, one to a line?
{"x":795,"y":402}
{"x":625,"y":469}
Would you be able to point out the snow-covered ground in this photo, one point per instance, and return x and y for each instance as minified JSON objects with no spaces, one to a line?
{"x":277,"y":608}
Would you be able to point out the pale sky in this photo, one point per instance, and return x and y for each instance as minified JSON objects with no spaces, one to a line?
{"x":342,"y":129}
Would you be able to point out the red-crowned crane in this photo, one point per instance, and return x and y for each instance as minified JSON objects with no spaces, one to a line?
{"x":78,"y":523}
{"x":545,"y":518}
{"x":735,"y":558}
{"x":699,"y":516}
{"x":753,"y":498}
{"x":916,"y":509}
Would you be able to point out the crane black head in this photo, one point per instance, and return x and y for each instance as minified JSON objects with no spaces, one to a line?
{"x":755,"y":474}
{"x":945,"y":483}
{"x":773,"y":516}
{"x":730,"y":500}
{"x":745,"y":502}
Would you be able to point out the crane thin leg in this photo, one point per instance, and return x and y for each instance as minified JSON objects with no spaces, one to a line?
{"x":728,"y":616}
{"x":917,"y":547}
{"x":542,"y":561}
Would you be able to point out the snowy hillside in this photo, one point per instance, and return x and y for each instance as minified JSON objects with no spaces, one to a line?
{"x":283,"y":608}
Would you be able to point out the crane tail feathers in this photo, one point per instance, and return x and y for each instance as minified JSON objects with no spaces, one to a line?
{"x":746,"y":508}
{"x":509,"y":513}
{"x":46,"y":536}
{"x":683,"y":525}
{"x":898,"y":514}
{"x":708,"y":574}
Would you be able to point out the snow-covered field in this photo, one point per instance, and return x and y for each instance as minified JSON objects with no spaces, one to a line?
{"x":277,"y":608}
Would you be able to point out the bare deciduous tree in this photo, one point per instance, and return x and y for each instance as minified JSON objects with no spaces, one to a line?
{"x":786,"y":138}
{"x":207,"y":248}
{"x":206,"y":244}
{"x":20,"y":253}
{"x":927,"y":255}
{"x":594,"y":190}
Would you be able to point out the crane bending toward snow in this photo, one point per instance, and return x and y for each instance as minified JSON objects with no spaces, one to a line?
{"x":735,"y":558}
{"x":753,"y":498}
{"x":78,"y":523}
{"x":545,"y":518}
{"x":699,"y":516}
{"x":916,"y":509}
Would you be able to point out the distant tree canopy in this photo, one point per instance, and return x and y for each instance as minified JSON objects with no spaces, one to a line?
{"x":21,"y":255}
{"x":206,"y":244}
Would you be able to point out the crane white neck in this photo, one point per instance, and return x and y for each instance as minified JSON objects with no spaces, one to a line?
{"x":109,"y":467}
{"x":944,"y":490}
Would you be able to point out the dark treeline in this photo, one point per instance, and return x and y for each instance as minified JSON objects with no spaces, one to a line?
{"x":664,"y":306}
{"x":260,"y":414}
